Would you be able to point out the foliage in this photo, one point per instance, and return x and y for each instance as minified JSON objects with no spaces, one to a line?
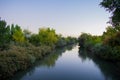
{"x":9,"y":34}
{"x":27,"y":34}
{"x":18,"y":35}
{"x":62,"y":41}
{"x":19,"y":58}
{"x":110,"y":31}
{"x":34,"y":39}
{"x":111,"y":36}
{"x":4,"y":34}
{"x":106,"y":46}
{"x":71,"y":40}
{"x":107,"y":52}
{"x":83,"y":39}
{"x":88,"y":41}
{"x":113,"y":41}
{"x":47,"y":36}
{"x":114,"y":7}
{"x":24,"y":48}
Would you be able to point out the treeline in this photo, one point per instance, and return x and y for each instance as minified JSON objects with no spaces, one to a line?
{"x":19,"y":49}
{"x":15,"y":35}
{"x":106,"y":46}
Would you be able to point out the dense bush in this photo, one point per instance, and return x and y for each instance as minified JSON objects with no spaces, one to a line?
{"x":113,"y":40}
{"x":19,"y":58}
{"x":87,"y":41}
{"x":62,"y":41}
{"x":107,"y":52}
{"x":20,"y":49}
{"x":106,"y":46}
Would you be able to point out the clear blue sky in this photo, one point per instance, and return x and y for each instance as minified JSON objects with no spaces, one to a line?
{"x":68,"y":17}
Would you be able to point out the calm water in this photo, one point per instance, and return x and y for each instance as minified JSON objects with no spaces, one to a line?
{"x":70,"y":63}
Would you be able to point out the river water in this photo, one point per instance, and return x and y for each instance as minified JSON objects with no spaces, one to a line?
{"x":70,"y":63}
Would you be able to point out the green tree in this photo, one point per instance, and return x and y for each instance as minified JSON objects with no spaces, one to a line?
{"x":18,"y":35}
{"x":34,"y":39}
{"x":27,"y":34}
{"x":61,"y":41}
{"x":114,"y":7}
{"x":110,"y":31}
{"x":47,"y":36}
{"x":4,"y":34}
{"x":8,"y":34}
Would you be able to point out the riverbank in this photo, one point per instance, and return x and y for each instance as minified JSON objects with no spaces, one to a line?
{"x":70,"y":63}
{"x":106,"y":46}
{"x":110,"y":69}
{"x":20,"y":49}
{"x":18,"y":58}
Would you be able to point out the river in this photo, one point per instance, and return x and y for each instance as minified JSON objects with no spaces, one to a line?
{"x":70,"y":63}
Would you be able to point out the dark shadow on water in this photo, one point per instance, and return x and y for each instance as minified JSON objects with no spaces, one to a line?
{"x":48,"y":61}
{"x":110,"y":70}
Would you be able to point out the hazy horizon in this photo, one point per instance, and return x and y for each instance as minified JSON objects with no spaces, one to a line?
{"x":67,"y":17}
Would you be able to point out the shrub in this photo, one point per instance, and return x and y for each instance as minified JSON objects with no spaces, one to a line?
{"x":12,"y":61}
{"x":19,"y":58}
{"x":107,"y":52}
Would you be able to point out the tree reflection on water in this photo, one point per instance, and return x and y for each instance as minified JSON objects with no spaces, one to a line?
{"x":48,"y":61}
{"x":110,"y":70}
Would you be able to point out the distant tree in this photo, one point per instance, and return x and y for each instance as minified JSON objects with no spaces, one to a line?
{"x":18,"y":35}
{"x":2,"y":32}
{"x":61,"y":41}
{"x":111,"y":36}
{"x":34,"y":39}
{"x":83,"y":38}
{"x":114,"y":7}
{"x":8,"y":34}
{"x":47,"y":36}
{"x":27,"y":34}
{"x":110,"y":31}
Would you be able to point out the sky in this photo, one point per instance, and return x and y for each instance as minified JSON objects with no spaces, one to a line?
{"x":67,"y":17}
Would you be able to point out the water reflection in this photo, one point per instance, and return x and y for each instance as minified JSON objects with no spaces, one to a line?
{"x":70,"y":64}
{"x":49,"y":61}
{"x":110,"y":70}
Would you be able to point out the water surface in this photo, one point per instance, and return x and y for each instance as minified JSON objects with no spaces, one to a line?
{"x":70,"y":63}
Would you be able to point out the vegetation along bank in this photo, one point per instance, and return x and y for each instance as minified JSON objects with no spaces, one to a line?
{"x":19,"y":49}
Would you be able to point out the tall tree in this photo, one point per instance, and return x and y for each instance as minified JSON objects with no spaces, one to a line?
{"x":112,"y":6}
{"x":47,"y":36}
{"x":8,"y":34}
{"x":18,"y":35}
{"x":34,"y":39}
{"x":27,"y":34}
{"x":2,"y":32}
